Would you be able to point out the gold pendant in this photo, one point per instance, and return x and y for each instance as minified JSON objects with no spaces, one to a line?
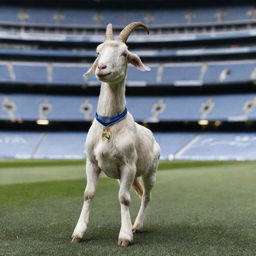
{"x":106,"y":135}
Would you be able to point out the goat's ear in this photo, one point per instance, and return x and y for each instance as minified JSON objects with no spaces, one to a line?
{"x":92,"y":69}
{"x":135,"y":60}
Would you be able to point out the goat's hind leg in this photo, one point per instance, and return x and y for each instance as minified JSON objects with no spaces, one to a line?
{"x":92,"y":173}
{"x":148,"y":182}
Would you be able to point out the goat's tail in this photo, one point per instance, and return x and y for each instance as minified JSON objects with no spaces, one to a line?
{"x":137,"y":187}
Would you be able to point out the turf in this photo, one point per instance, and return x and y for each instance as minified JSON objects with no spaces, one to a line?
{"x":196,"y":209}
{"x":22,"y":171}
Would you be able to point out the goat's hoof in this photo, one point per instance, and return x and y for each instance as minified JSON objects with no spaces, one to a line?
{"x":124,"y":242}
{"x":76,"y":240}
{"x":137,"y":228}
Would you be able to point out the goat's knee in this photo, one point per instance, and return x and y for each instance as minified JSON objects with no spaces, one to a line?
{"x":124,"y":198}
{"x":88,"y":195}
{"x":147,"y":197}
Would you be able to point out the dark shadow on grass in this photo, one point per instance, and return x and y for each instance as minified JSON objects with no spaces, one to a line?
{"x":83,"y":241}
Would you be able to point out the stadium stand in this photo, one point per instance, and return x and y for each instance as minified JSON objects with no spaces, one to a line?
{"x":150,"y":109}
{"x":232,"y":146}
{"x":196,"y":52}
{"x":168,"y":74}
{"x":26,"y":145}
{"x":174,"y":146}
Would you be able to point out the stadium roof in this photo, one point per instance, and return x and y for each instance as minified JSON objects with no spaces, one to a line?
{"x":125,"y":4}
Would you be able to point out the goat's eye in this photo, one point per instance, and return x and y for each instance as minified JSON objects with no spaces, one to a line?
{"x":124,"y":54}
{"x":98,"y":53}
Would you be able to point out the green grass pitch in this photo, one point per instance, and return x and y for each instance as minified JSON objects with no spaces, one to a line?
{"x":197,"y":208}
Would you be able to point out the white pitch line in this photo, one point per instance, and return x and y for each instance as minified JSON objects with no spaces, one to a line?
{"x":184,"y":148}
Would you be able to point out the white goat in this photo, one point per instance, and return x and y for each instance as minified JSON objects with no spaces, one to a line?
{"x":115,"y":143}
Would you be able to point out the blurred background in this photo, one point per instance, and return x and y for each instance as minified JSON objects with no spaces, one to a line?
{"x":199,"y":98}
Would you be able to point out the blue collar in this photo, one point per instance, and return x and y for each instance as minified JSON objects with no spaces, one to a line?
{"x":110,"y":120}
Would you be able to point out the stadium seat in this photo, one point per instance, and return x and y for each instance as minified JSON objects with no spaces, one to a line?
{"x":181,"y":75}
{"x":68,"y":74}
{"x":171,"y":143}
{"x":54,"y":146}
{"x":18,"y":144}
{"x":31,"y":73}
{"x":137,"y":78}
{"x":238,"y":72}
{"x":4,"y":73}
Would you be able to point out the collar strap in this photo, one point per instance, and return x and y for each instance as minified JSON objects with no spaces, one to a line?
{"x":110,"y":120}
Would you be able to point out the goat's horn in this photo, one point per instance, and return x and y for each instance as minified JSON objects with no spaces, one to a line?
{"x":124,"y":34}
{"x":109,"y":32}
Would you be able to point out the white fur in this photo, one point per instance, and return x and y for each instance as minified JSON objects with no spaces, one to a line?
{"x":132,"y":150}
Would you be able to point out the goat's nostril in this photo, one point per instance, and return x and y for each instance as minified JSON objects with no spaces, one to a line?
{"x":102,"y":66}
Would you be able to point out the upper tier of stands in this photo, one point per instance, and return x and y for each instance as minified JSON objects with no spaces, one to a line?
{"x":166,"y":25}
{"x":10,"y":14}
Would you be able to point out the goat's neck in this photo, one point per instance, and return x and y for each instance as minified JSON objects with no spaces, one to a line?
{"x":112,"y":99}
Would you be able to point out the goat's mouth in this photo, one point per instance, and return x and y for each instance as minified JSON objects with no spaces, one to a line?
{"x":100,"y":75}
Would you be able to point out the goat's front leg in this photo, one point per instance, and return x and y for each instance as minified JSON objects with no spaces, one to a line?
{"x":92,"y":173}
{"x":127,"y":177}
